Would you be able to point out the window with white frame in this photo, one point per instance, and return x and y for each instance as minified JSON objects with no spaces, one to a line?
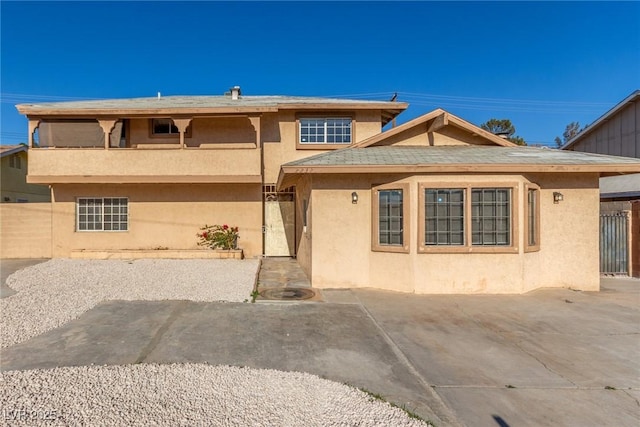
{"x":329,"y":130}
{"x":103,"y":214}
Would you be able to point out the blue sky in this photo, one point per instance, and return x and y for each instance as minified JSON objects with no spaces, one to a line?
{"x":542,"y":65}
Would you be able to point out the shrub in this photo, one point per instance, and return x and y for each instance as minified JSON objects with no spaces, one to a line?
{"x":218,"y":237}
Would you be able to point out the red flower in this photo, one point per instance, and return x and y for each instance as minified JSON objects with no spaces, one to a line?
{"x":204,"y":235}
{"x":225,"y":227}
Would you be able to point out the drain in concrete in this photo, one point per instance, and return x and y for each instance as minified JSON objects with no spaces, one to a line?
{"x":287,"y":294}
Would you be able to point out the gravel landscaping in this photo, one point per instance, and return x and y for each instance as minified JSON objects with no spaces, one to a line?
{"x":57,"y":291}
{"x":187,"y":395}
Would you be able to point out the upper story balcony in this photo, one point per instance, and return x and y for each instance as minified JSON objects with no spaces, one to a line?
{"x":146,"y":150}
{"x":191,"y":138}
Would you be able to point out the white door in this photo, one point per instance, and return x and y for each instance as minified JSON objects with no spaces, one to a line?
{"x":279,"y":218}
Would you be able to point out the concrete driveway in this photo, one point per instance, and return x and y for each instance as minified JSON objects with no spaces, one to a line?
{"x":551,"y":357}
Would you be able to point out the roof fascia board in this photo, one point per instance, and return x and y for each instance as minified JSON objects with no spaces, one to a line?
{"x":14,"y":151}
{"x":463,"y":167}
{"x":48,"y":112}
{"x":455,"y":120}
{"x":398,"y":129}
{"x":345,"y":106}
{"x":35,"y":112}
{"x":450,"y":118}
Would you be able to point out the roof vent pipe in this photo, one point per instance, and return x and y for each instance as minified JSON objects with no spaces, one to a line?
{"x":235,"y":92}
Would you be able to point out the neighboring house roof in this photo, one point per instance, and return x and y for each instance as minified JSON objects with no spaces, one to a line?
{"x":7,"y":150}
{"x":438,"y":118}
{"x":606,"y":116}
{"x":457,"y":159}
{"x":206,"y":104}
{"x":626,"y":186}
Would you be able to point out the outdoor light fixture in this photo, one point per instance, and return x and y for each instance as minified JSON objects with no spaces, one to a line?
{"x":354,"y":197}
{"x":557,"y":197}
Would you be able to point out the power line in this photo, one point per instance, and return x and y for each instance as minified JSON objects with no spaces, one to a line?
{"x":502,"y":100}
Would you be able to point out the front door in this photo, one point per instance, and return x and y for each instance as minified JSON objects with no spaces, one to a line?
{"x":279,"y":221}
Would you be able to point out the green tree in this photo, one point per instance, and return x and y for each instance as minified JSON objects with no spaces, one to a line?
{"x":570,"y":131}
{"x":503,"y":127}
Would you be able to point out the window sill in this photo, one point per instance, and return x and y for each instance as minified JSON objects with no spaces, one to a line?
{"x":300,"y":146}
{"x":393,"y":249}
{"x":468,"y":250}
{"x":102,"y":231}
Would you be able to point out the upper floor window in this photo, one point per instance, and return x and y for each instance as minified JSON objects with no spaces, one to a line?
{"x":165,"y":127}
{"x":15,"y":161}
{"x":330,"y":130}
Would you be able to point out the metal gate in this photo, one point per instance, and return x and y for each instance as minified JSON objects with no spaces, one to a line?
{"x":614,"y":243}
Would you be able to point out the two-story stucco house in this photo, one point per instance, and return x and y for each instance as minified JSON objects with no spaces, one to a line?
{"x":147,"y":173}
{"x":436,"y":205}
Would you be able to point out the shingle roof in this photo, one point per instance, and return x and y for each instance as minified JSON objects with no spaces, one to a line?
{"x":170,"y":105}
{"x":457,"y":154}
{"x":166,"y":102}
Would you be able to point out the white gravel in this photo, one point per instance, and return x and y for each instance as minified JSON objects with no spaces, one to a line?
{"x":57,"y":291}
{"x":187,"y":395}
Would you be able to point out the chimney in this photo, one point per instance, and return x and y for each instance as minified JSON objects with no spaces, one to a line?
{"x":235,"y":92}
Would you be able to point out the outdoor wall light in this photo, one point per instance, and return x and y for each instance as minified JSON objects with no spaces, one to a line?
{"x":557,"y":197}
{"x":354,"y":197}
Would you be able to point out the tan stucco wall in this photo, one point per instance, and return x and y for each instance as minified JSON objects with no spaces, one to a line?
{"x":570,"y":254}
{"x":120,"y":162}
{"x":25,"y":230}
{"x":13,"y":182}
{"x":161,"y":216}
{"x":279,"y":135}
{"x":342,"y":255}
{"x":449,"y":135}
{"x":303,"y":233}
